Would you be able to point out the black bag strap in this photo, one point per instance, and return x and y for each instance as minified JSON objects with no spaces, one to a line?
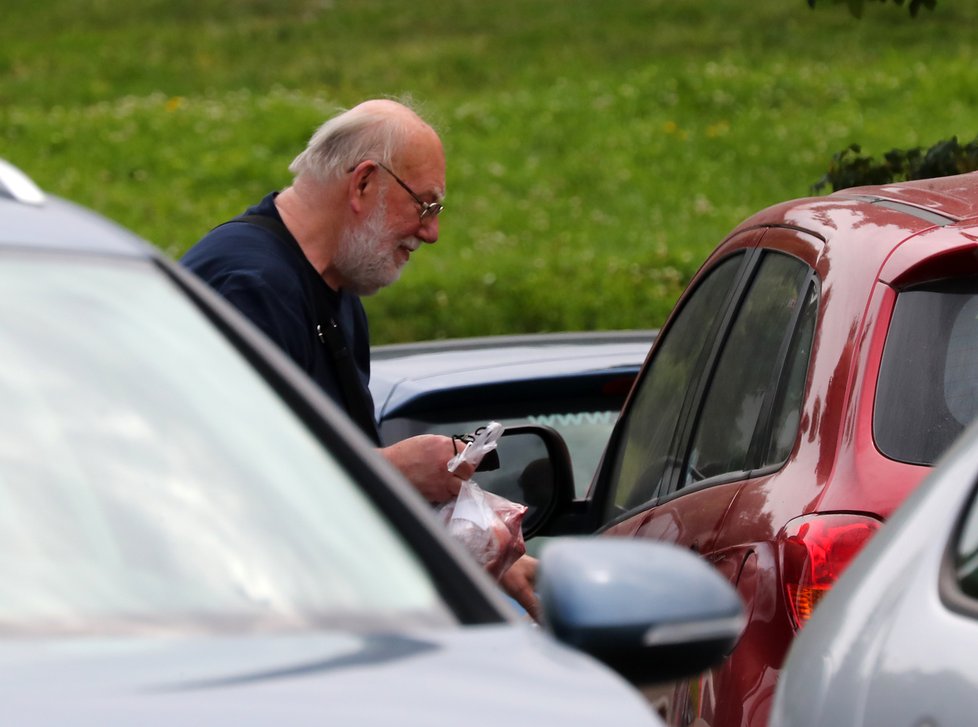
{"x":327,"y":329}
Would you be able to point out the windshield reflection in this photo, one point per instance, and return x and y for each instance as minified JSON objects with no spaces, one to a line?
{"x":149,"y":478}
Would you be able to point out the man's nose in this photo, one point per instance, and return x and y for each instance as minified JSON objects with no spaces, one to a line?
{"x":428,"y":231}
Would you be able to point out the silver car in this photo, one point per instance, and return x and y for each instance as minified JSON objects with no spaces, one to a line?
{"x":191,"y":533}
{"x":894,"y":642}
{"x":575,"y":382}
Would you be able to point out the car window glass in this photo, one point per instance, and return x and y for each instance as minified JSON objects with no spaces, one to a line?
{"x":787,"y":411}
{"x":928,"y":383}
{"x":150,"y":478}
{"x":644,"y":444}
{"x":747,"y":370}
{"x":966,"y":551}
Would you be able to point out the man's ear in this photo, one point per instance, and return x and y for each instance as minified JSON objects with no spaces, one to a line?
{"x":361,"y":179}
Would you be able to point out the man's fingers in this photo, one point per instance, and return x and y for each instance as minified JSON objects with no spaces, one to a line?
{"x":464,"y":471}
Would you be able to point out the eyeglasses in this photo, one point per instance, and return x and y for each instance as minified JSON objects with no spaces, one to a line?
{"x":427,"y":208}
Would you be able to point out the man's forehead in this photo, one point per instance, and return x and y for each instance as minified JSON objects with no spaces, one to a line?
{"x":423,"y":160}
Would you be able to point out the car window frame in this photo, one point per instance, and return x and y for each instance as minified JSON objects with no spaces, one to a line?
{"x":950,"y":590}
{"x":601,"y":491}
{"x":763,"y":427}
{"x":693,"y":402}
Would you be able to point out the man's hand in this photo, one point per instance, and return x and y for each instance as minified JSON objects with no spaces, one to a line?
{"x":423,"y":460}
{"x":519,"y":581}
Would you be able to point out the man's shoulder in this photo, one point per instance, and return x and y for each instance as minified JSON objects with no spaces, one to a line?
{"x":241,"y":248}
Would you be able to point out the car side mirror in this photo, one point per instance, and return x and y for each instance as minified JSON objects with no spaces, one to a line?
{"x":652,"y":611}
{"x":534,"y":470}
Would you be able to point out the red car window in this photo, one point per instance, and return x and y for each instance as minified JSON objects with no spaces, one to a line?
{"x":643,"y":457}
{"x":928,"y":384}
{"x":749,"y":368}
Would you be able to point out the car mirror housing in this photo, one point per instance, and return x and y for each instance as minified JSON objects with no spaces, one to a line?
{"x":653,"y":612}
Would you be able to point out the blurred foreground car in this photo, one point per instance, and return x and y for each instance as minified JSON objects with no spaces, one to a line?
{"x":894,"y":643}
{"x":192,"y":533}
{"x":573,"y":382}
{"x":818,"y":364}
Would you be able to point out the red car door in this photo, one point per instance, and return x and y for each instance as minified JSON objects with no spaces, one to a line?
{"x":737,"y":423}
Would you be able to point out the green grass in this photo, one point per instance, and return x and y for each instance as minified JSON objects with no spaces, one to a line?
{"x":597,"y":150}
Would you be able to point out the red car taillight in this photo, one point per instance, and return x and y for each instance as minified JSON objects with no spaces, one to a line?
{"x":814,"y":552}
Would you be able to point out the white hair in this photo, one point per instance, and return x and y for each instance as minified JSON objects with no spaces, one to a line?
{"x":367,"y":131}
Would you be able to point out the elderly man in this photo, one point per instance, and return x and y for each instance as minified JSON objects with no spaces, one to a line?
{"x":366,"y":194}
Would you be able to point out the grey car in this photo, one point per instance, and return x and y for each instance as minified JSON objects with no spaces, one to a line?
{"x":894,"y":642}
{"x":191,"y":533}
{"x":575,"y":382}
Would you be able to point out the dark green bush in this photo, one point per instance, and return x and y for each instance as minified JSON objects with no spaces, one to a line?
{"x":849,"y":168}
{"x":856,"y":6}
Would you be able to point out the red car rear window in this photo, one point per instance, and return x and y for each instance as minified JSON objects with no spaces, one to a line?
{"x":928,"y":386}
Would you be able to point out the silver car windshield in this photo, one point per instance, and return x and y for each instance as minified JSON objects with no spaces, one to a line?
{"x":151,"y":479}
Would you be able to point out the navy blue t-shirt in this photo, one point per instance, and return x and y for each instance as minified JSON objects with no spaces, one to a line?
{"x":263,"y":278}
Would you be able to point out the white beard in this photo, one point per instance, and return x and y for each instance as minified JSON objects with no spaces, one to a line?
{"x":366,"y":256}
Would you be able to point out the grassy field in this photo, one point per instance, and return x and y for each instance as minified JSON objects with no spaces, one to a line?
{"x":597,"y":150}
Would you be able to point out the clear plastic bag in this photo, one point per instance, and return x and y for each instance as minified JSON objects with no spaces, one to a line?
{"x":489,"y":526}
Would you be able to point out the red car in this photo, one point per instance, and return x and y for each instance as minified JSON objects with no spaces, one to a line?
{"x":820,"y":361}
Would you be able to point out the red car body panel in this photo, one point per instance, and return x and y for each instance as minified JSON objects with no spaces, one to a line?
{"x":864,"y":244}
